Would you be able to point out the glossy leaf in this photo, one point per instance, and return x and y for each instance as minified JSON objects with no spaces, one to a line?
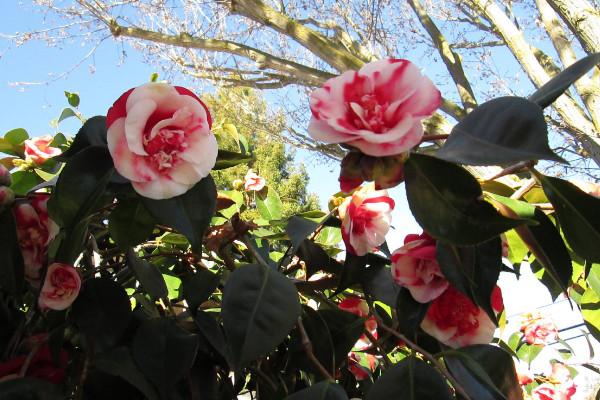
{"x":504,"y":130}
{"x":150,"y":278}
{"x":227,"y":159}
{"x":66,"y":113}
{"x":129,"y":223}
{"x":23,"y":181}
{"x":189,"y":213}
{"x":16,"y":136}
{"x":354,"y":268}
{"x":163,"y":352}
{"x":590,"y":307}
{"x":528,"y":352}
{"x":321,"y":343}
{"x":324,"y":390}
{"x":72,"y":98}
{"x":298,"y":229}
{"x":268,"y":203}
{"x":92,"y":133}
{"x":473,"y":270}
{"x":410,"y":379}
{"x":345,"y":328}
{"x":446,"y":201}
{"x":119,"y":362}
{"x":12,"y":270}
{"x":102,"y":310}
{"x":29,"y":389}
{"x":578,"y":215}
{"x":485,"y":372}
{"x":260,"y":306}
{"x":410,"y":313}
{"x":199,"y":287}
{"x":378,"y":283}
{"x":316,"y":259}
{"x":212,"y":331}
{"x":547,"y":94}
{"x":593,"y":279}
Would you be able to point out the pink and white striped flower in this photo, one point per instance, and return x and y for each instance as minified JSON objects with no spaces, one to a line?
{"x":39,"y":150}
{"x":61,"y":287}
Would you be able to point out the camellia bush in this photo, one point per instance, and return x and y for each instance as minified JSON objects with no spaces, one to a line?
{"x":124,"y":273}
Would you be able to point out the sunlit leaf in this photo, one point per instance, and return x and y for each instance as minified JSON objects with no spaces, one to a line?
{"x":227,"y":159}
{"x":590,"y":310}
{"x":268,"y":203}
{"x":72,"y":98}
{"x":528,"y":352}
{"x":16,"y":136}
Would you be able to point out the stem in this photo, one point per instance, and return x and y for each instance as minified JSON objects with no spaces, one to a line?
{"x":433,"y":138}
{"x":255,"y":254}
{"x":308,"y":350}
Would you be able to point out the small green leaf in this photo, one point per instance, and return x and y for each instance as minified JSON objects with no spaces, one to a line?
{"x":129,"y":223}
{"x":154,"y":77}
{"x":16,"y":136}
{"x":268,"y":204}
{"x":189,"y":213}
{"x":260,"y":306}
{"x":446,"y":201}
{"x":164,"y":352}
{"x":66,"y":113}
{"x":12,"y":272}
{"x":324,"y":390}
{"x":72,"y":98}
{"x":504,"y":130}
{"x":228,"y":159}
{"x":148,"y":275}
{"x":410,"y":379}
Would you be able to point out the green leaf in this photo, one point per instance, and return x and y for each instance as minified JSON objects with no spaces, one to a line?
{"x":590,"y":310}
{"x":102,"y":310}
{"x":148,"y":275}
{"x":72,"y":98}
{"x":12,"y":270}
{"x":164,"y":352}
{"x":352,"y":272}
{"x":92,"y":133}
{"x":23,"y":181}
{"x":578,"y":215}
{"x":212,"y":331}
{"x":528,"y":352}
{"x":345,"y":328}
{"x":268,"y":203}
{"x":189,"y":213}
{"x":66,"y":113}
{"x":472,"y":270}
{"x":446,"y":201}
{"x":316,"y":259}
{"x":119,"y":362}
{"x":410,"y":379}
{"x":485,"y":372}
{"x":593,"y":279}
{"x":501,"y":131}
{"x":260,"y":306}
{"x":329,"y":236}
{"x":199,"y":287}
{"x":228,"y":159}
{"x":379,"y":284}
{"x":410,"y":313}
{"x":16,"y":136}
{"x":129,"y":223}
{"x":556,"y":86}
{"x":298,"y":229}
{"x":29,"y":389}
{"x":7,"y":148}
{"x":324,"y":390}
{"x":320,"y":339}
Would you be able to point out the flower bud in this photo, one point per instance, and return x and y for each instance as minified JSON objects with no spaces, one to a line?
{"x":238,"y":184}
{"x":393,"y":171}
{"x":5,"y":177}
{"x":350,"y":173}
{"x":7,"y":196}
{"x":371,"y":167}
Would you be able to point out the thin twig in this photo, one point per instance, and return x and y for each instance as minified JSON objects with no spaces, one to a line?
{"x":308,"y":350}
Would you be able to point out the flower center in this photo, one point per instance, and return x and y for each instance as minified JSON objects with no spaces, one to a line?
{"x":454,"y":310}
{"x":369,"y":114}
{"x":165,"y":146}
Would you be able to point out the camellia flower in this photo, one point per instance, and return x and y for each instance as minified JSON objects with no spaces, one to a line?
{"x":539,"y":330}
{"x":5,"y":177}
{"x":61,"y":287}
{"x":39,"y":150}
{"x":587,"y":186}
{"x":253,"y":181}
{"x":35,"y":231}
{"x":415,"y":267}
{"x":561,"y":376}
{"x":454,"y":320}
{"x":546,"y":391}
{"x":377,"y":109}
{"x":159,"y":138}
{"x":366,"y":218}
{"x":359,"y":371}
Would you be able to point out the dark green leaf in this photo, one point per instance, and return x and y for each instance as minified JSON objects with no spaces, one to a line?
{"x":446,"y":201}
{"x":485,"y":372}
{"x":345,"y":328}
{"x":378,"y":283}
{"x":199,"y":287}
{"x":24,"y":181}
{"x":16,"y":136}
{"x":501,"y":131}
{"x":268,"y":203}
{"x":29,"y":389}
{"x":92,"y":133}
{"x":72,"y":98}
{"x":316,"y":259}
{"x":410,"y":313}
{"x":324,"y":390}
{"x":410,"y":379}
{"x":129,"y":223}
{"x":298,"y":229}
{"x":320,"y":339}
{"x":260,"y":306}
{"x":578,"y":215}
{"x":119,"y":362}
{"x":211,"y":330}
{"x":148,"y":275}
{"x":66,"y":113}
{"x":227,"y":159}
{"x":102,"y":310}
{"x":189,"y":213}
{"x":473,"y":270}
{"x":12,"y":269}
{"x":164,"y":352}
{"x":352,"y":272}
{"x":556,"y":86}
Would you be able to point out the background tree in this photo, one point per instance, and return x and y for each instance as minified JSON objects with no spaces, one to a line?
{"x":475,"y":49}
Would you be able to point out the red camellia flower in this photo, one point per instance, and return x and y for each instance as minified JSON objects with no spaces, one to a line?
{"x":360,"y":308}
{"x":546,"y":391}
{"x":253,"y":181}
{"x":539,"y":330}
{"x":35,"y":231}
{"x":454,"y":320}
{"x":366,"y":218}
{"x":415,"y":267}
{"x":159,"y":137}
{"x":61,"y":287}
{"x":377,"y":109}
{"x":41,"y":365}
{"x":561,"y":376}
{"x":39,"y":150}
{"x":359,"y":371}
